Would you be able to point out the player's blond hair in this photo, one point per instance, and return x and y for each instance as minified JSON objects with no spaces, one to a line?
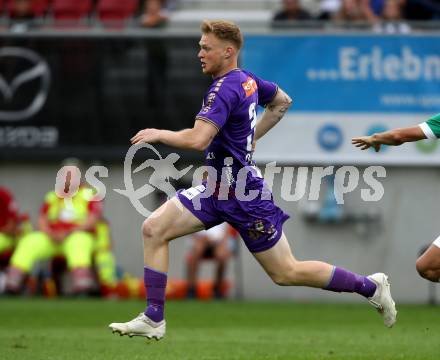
{"x":224,"y":30}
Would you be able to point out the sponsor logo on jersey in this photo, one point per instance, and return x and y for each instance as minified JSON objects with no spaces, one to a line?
{"x":249,"y":86}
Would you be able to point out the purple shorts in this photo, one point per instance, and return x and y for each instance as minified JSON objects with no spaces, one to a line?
{"x":258,"y":221}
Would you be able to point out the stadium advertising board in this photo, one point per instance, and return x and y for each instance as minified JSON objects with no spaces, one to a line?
{"x":345,"y":86}
{"x":87,"y":95}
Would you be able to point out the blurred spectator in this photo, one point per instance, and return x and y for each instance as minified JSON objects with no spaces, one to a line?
{"x":216,"y":244}
{"x":391,"y":20}
{"x":422,"y":10}
{"x":377,"y":7}
{"x":8,"y":214}
{"x":67,"y":228}
{"x":355,"y":11}
{"x":291,"y":10}
{"x":329,"y":8}
{"x":22,"y":9}
{"x":153,"y":16}
{"x":21,"y":15}
{"x":13,"y":226}
{"x":104,"y":259}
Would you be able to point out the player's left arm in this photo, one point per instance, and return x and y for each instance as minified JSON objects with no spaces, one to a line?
{"x":273,"y":113}
{"x":197,"y":138}
{"x":393,"y":137}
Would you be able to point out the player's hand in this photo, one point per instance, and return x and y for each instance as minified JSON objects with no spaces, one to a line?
{"x":146,"y":136}
{"x":365,"y":142}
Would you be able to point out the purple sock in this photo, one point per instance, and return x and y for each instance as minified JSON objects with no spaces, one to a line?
{"x":345,"y":281}
{"x":155,"y":283}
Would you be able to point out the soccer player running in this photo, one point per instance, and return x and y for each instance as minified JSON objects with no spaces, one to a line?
{"x":225,"y":129}
{"x":428,"y":264}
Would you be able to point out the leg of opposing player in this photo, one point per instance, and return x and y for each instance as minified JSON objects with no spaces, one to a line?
{"x":170,"y":221}
{"x":285,"y":270}
{"x":428,"y":264}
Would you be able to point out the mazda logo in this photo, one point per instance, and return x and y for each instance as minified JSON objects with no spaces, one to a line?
{"x":39,"y":70}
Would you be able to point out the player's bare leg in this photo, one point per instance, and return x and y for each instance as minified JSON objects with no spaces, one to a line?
{"x":282,"y":267}
{"x":428,"y":264}
{"x":170,"y":221}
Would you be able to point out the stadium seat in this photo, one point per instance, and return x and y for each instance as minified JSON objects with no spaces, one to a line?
{"x":39,"y":7}
{"x":71,"y":9}
{"x":116,"y":10}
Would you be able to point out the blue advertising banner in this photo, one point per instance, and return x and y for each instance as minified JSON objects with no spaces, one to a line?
{"x":350,"y":73}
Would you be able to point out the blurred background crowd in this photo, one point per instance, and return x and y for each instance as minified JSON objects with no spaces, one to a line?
{"x":20,"y":14}
{"x":68,"y":251}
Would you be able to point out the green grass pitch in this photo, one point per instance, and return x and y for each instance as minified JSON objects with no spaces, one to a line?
{"x":37,"y":329}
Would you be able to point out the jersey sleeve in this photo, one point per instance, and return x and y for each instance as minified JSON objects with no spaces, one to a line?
{"x":431,"y":127}
{"x":218,"y":103}
{"x":266,"y":91}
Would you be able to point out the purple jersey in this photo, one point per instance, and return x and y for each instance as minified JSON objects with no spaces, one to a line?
{"x":230,"y":105}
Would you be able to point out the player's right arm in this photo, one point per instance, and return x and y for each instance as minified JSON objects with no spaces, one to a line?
{"x":427,"y":130}
{"x":197,"y":138}
{"x":273,"y":113}
{"x":393,"y":137}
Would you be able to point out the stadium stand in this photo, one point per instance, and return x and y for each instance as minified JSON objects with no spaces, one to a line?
{"x":116,"y":10}
{"x":153,"y":14}
{"x":327,"y":15}
{"x":240,"y":10}
{"x":71,"y":9}
{"x":15,"y":8}
{"x":229,"y":4}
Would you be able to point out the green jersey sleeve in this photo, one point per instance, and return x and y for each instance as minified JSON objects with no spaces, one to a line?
{"x":431,"y":127}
